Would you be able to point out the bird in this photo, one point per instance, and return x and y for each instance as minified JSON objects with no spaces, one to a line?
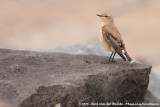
{"x":111,"y":38}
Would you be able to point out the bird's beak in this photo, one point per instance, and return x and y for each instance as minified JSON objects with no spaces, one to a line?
{"x":99,"y":15}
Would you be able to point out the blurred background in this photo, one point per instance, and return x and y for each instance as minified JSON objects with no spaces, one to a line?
{"x":46,"y":24}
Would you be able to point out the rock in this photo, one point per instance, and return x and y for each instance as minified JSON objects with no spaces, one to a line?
{"x":97,"y":49}
{"x":87,"y":48}
{"x":48,"y":79}
{"x":150,"y":98}
{"x":154,"y":85}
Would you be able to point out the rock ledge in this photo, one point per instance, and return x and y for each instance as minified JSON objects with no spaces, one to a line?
{"x":33,"y":79}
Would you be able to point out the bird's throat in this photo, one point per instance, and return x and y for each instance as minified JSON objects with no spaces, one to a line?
{"x":107,"y":21}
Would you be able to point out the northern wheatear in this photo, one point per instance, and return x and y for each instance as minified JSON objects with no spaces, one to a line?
{"x":111,"y":38}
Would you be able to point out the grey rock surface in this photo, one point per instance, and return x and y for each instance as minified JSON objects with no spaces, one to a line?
{"x":88,"y":48}
{"x":97,"y":49}
{"x":35,"y":79}
{"x":154,"y":84}
{"x":150,"y":98}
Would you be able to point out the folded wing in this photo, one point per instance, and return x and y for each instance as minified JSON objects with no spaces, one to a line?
{"x":117,"y":45}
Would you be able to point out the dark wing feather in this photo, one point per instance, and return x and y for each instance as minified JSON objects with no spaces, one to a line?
{"x":112,"y":41}
{"x":117,"y":47}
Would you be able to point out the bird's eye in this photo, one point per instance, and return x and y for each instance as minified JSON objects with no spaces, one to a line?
{"x":106,"y":16}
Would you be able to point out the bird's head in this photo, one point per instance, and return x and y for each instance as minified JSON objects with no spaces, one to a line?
{"x":107,"y":18}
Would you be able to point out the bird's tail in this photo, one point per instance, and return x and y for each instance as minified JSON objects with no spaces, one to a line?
{"x":122,"y":56}
{"x":125,"y":56}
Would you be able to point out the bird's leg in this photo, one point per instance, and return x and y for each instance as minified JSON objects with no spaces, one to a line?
{"x":110,"y":57}
{"x":113,"y":57}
